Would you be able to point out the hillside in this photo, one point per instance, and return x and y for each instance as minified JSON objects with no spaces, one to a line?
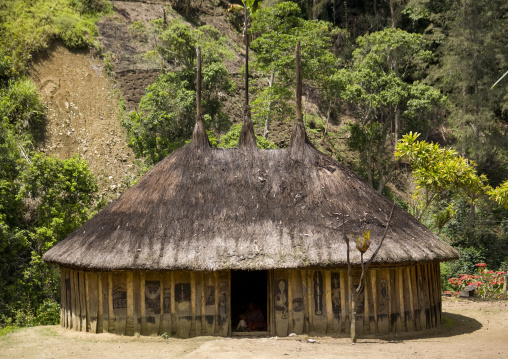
{"x":83,"y":113}
{"x":84,"y":93}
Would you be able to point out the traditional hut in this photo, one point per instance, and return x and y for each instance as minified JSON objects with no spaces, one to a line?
{"x":208,"y":234}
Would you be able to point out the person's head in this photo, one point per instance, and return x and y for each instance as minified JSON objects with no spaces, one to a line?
{"x":242,"y":316}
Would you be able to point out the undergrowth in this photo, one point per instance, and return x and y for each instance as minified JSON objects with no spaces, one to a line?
{"x":27,"y":26}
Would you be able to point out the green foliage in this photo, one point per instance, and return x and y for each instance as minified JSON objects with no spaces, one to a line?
{"x":167,"y":112}
{"x":29,"y":26}
{"x":437,"y":171}
{"x":177,"y":44}
{"x":500,"y":194}
{"x":277,"y":31}
{"x":48,"y":313}
{"x":43,"y":200}
{"x":139,"y":30}
{"x":386,"y":97}
{"x":472,"y":52}
{"x":469,"y":256}
{"x":22,"y":106}
{"x":230,"y":139}
{"x":58,"y":194}
{"x":164,"y":120}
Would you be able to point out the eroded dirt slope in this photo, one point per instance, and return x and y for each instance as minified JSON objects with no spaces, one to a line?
{"x":83,"y":114}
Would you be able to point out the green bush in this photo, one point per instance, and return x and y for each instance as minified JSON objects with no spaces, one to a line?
{"x":48,"y":313}
{"x":21,"y":104}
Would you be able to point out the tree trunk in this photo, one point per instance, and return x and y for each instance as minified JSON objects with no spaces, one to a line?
{"x":328,"y":117}
{"x":353,"y":311}
{"x":392,"y":12}
{"x":267,"y":119}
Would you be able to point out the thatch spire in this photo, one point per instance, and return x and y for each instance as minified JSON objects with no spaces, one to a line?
{"x":299,"y":136}
{"x":247,"y":137}
{"x":199,"y":137}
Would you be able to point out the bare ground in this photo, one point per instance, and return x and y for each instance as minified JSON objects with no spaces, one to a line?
{"x":83,"y":111}
{"x":469,"y":330}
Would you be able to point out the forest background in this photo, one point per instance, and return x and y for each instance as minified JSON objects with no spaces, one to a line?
{"x":400,"y":90}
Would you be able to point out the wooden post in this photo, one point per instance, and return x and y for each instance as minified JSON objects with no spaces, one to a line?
{"x":111,"y":324}
{"x":168,"y":295}
{"x":277,"y":291}
{"x":310,"y":301}
{"x":383,"y":302}
{"x":105,"y":302}
{"x":327,"y":286}
{"x":120,"y":301}
{"x":366,"y":310}
{"x":297,"y":301}
{"x":136,"y":305}
{"x":373,"y":283}
{"x":63,"y":297}
{"x":391,"y":297}
{"x":82,"y":302}
{"x":129,"y":324}
{"x":437,"y":274}
{"x":92,"y":305}
{"x":87,"y":302}
{"x":75,"y":299}
{"x":216,"y":286}
{"x":291,"y":328}
{"x":344,"y":303}
{"x":193,"y":303}
{"x":306,"y":304}
{"x":161,"y":330}
{"x":411,"y":324}
{"x":400,"y":279}
{"x":203,"y":304}
{"x":183,"y":292}
{"x":142,"y":279}
{"x":100,"y":304}
{"x":150,"y":301}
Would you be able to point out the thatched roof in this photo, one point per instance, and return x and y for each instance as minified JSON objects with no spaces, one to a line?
{"x":210,"y":209}
{"x":213,"y":209}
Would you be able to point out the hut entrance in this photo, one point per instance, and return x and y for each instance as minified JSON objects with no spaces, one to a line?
{"x":249,"y":302}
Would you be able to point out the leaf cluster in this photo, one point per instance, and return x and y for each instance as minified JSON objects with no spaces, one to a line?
{"x":167,"y":112}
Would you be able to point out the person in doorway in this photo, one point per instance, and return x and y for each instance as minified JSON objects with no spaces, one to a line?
{"x":242,"y":324}
{"x":255,"y":318}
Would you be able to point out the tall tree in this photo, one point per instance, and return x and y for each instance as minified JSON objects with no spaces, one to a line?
{"x":382,"y":86}
{"x":473,"y":54}
{"x":277,"y":30}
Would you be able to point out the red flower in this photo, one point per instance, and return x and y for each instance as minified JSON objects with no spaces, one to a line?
{"x":481,"y":264}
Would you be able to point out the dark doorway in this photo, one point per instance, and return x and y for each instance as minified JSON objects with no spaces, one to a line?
{"x":248,"y":288}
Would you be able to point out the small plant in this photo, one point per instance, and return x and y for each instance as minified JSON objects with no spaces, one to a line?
{"x":488,"y":283}
{"x":165,"y":335}
{"x":139,"y":31}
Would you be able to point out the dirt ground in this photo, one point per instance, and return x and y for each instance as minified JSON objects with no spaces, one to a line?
{"x":469,"y":330}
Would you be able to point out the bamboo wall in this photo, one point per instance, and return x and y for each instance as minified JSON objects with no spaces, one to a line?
{"x":314,"y":301}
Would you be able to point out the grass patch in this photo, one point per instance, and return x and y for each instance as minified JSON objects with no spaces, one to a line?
{"x":8,"y":329}
{"x":29,"y":26}
{"x":448,"y":323}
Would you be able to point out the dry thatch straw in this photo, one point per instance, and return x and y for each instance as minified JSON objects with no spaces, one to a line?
{"x":210,"y":209}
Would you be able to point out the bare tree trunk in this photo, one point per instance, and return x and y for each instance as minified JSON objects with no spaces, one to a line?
{"x":392,"y":12}
{"x":353,"y":294}
{"x":369,"y":165}
{"x":267,"y":119}
{"x":328,"y":117}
